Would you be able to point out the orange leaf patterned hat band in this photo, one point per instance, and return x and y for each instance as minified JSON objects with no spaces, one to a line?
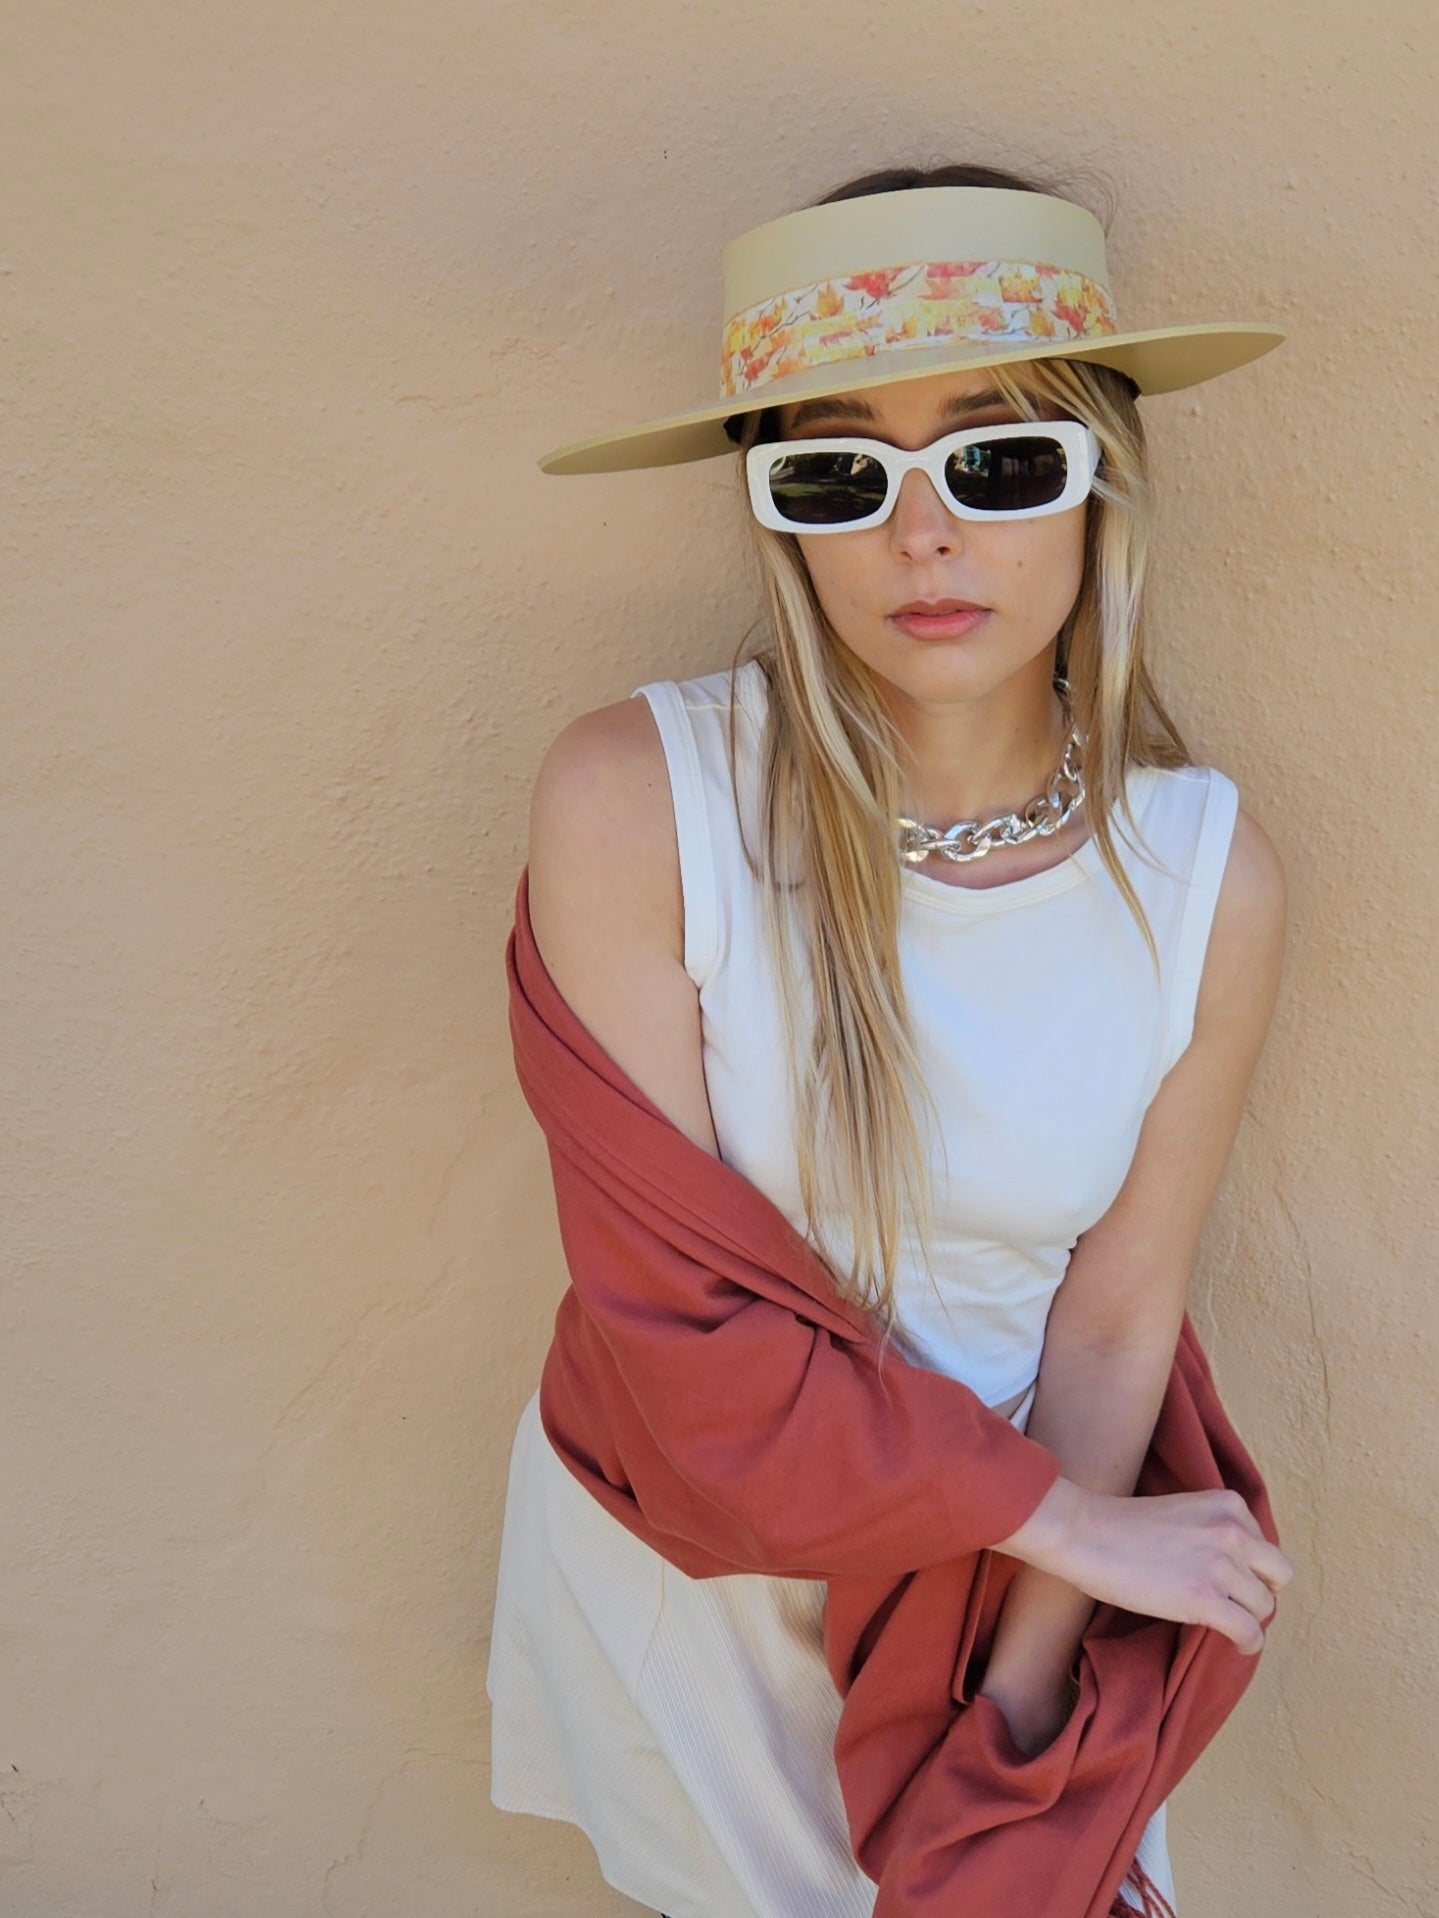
{"x":895,"y":307}
{"x":854,"y":294}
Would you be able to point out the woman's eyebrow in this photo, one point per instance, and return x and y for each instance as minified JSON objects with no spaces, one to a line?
{"x":957,"y":407}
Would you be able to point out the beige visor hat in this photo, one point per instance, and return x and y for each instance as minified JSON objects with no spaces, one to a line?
{"x":858,"y":293}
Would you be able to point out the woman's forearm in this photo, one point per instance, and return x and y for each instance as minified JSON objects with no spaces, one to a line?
{"x":1095,"y":1409}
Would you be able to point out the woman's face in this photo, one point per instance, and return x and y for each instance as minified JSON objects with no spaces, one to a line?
{"x":1028,"y":572}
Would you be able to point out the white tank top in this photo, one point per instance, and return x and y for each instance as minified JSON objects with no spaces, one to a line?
{"x":1042,"y":1029}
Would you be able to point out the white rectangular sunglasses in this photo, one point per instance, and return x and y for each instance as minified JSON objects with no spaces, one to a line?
{"x":1017,"y":470}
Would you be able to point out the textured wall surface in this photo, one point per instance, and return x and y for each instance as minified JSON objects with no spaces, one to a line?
{"x":292,"y":300}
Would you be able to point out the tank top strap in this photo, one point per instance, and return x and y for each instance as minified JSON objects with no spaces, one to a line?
{"x":688,"y":749}
{"x":1212,"y":813}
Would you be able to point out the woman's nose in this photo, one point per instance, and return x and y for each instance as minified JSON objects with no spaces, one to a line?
{"x":921,"y":522}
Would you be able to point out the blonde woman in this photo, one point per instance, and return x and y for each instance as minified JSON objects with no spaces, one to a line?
{"x":922,"y":916}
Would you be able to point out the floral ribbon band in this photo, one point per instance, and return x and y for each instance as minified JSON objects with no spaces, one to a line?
{"x":912,"y":305}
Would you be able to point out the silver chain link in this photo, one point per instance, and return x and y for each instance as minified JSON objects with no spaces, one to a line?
{"x":1043,"y":816}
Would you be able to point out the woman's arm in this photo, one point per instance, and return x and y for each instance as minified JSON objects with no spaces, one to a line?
{"x":607,"y":905}
{"x":1115,"y":1320}
{"x":1096,"y":1411}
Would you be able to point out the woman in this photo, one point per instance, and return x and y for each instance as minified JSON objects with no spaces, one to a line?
{"x":884,"y":951}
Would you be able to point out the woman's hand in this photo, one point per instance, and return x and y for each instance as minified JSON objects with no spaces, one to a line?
{"x":1198,"y":1557}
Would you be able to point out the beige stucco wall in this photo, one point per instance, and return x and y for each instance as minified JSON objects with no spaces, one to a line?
{"x":292,"y":299}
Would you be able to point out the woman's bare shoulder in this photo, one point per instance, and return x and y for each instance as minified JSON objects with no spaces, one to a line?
{"x":607,"y":905}
{"x":602,"y":838}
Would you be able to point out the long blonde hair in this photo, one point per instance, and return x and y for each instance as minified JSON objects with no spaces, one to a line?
{"x":831,"y":785}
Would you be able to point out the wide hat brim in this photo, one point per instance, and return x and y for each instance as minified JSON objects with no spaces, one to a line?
{"x":858,"y":237}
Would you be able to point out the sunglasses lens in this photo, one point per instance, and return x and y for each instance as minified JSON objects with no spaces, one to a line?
{"x":826,"y":489}
{"x":1008,"y":475}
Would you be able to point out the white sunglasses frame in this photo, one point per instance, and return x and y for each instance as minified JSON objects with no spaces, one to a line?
{"x":1081,"y":451}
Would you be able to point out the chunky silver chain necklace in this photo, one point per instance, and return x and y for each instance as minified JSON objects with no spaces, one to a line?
{"x":1044,"y":814}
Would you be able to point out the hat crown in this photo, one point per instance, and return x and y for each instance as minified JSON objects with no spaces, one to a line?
{"x":843,"y":238}
{"x":926,"y":269}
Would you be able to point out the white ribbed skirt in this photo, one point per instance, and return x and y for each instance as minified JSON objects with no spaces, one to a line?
{"x":686,"y":1726}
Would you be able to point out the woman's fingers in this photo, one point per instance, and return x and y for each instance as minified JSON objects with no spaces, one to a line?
{"x":1197,"y":1556}
{"x":1246,"y":1588}
{"x":1236,"y":1623}
{"x":1273,"y":1567}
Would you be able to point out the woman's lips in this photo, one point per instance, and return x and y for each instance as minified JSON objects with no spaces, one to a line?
{"x":940,"y":625}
